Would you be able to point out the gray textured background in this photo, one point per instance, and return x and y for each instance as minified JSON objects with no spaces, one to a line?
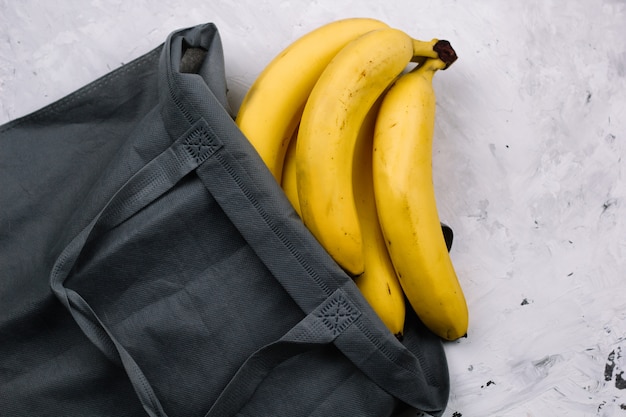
{"x":529,"y":163}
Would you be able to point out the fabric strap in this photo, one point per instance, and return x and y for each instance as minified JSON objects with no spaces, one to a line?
{"x":154,"y":179}
{"x":323,"y":325}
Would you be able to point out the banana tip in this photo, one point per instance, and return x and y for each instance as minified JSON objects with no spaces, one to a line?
{"x":445,"y":52}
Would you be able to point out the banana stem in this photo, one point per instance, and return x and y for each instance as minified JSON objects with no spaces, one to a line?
{"x":435,"y":48}
{"x":428,"y":67}
{"x":445,"y":52}
{"x":423,"y":49}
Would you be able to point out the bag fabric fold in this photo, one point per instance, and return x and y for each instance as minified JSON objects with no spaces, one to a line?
{"x":151,"y":265}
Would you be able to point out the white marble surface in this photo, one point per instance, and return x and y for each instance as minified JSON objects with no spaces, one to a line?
{"x":529,"y":164}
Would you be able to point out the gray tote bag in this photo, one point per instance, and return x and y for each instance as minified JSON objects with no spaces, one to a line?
{"x":150,"y":265}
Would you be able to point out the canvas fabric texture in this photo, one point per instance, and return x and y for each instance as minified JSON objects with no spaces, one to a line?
{"x":150,"y":265}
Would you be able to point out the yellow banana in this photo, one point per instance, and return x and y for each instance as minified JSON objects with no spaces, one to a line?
{"x":332,"y":117}
{"x":289,"y":184}
{"x":271,"y":109}
{"x":378,"y":282}
{"x":405,"y":200}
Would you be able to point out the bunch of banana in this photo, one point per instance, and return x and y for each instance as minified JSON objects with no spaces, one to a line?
{"x":332,"y":116}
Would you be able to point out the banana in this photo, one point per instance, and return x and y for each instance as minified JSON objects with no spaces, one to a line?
{"x":289,"y":184}
{"x":332,"y":116}
{"x":378,"y":282}
{"x":272,"y":107}
{"x":405,"y":200}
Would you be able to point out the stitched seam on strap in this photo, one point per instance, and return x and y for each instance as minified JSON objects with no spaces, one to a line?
{"x":277,"y":232}
{"x":201,"y":144}
{"x":337,"y":313}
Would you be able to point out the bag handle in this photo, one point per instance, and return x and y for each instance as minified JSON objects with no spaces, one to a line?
{"x":321,"y":326}
{"x":190,"y":150}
